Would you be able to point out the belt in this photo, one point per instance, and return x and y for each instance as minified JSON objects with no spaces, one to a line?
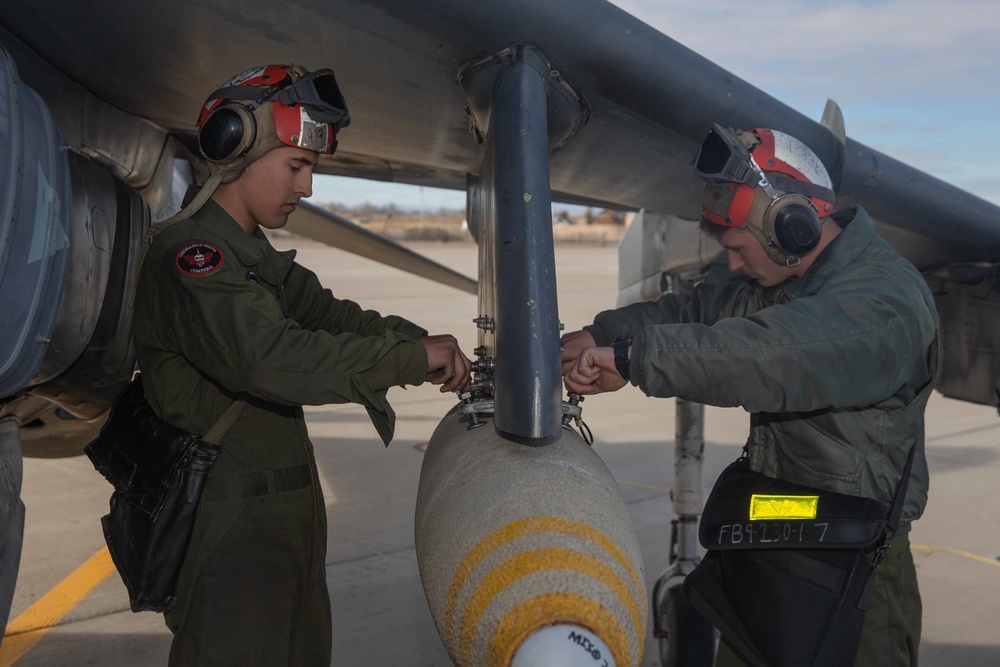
{"x":252,"y":484}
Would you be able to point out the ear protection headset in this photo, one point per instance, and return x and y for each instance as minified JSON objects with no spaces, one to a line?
{"x":790,"y":224}
{"x":228,"y":134}
{"x":228,"y":122}
{"x":267,"y":107}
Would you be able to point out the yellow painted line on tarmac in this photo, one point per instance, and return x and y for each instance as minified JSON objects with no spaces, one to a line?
{"x":27,"y":629}
{"x":640,"y":485}
{"x":956,"y":552}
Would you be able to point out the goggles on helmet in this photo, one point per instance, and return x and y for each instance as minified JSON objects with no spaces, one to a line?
{"x":724,"y":159}
{"x":319,"y":93}
{"x":309,"y":112}
{"x":729,"y":168}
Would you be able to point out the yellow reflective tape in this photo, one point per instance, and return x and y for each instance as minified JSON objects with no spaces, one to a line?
{"x":539,"y":611}
{"x":783,"y":507}
{"x":528,"y":562}
{"x":530,"y":526}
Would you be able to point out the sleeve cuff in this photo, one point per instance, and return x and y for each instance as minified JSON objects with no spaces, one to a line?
{"x":597,"y":332}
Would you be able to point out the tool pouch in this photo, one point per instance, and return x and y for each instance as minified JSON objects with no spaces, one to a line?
{"x":788,"y":574}
{"x":158,"y":472}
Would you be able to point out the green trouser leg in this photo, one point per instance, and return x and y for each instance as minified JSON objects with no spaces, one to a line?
{"x":252,"y":591}
{"x":891,"y":634}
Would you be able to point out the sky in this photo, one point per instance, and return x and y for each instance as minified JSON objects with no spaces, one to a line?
{"x":918,"y":80}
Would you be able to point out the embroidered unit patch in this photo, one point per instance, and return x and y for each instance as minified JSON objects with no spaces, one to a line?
{"x":199,"y":259}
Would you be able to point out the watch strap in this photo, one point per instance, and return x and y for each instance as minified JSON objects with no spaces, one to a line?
{"x":621,"y":346}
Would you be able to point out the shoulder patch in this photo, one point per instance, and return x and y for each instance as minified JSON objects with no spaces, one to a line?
{"x":199,"y":259}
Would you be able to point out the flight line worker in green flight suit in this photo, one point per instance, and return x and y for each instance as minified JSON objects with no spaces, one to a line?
{"x":828,"y":339}
{"x":221,"y":314}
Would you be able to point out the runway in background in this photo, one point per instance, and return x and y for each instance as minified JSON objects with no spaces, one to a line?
{"x":380,"y":616}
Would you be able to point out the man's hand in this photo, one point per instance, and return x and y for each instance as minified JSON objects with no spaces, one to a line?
{"x":573,"y":344}
{"x":594,"y":372}
{"x":447,"y":365}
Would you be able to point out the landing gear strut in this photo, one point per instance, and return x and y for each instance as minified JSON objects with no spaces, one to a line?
{"x":686,"y":639}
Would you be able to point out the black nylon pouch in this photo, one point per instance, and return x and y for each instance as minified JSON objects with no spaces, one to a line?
{"x":790,"y":590}
{"x":158,"y":472}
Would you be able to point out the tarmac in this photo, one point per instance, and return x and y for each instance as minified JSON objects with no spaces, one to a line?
{"x":63,"y":615}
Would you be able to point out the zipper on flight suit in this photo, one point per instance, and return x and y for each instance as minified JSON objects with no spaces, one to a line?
{"x":304,"y":441}
{"x":280,"y":289}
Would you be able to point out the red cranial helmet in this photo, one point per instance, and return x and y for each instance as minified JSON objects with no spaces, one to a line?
{"x":267,"y":107}
{"x":740,"y":167}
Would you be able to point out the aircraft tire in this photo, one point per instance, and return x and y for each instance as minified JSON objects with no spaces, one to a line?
{"x":11,"y":514}
{"x":688,"y":640}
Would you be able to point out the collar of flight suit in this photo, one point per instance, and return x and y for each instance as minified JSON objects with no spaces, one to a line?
{"x":254,"y":251}
{"x":857,"y":233}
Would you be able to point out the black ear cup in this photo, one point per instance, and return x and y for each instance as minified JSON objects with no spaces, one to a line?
{"x":228,"y":134}
{"x":794,"y":226}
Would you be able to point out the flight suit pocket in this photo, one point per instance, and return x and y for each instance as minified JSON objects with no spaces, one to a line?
{"x":230,"y":521}
{"x":252,"y":583}
{"x":828,"y":464}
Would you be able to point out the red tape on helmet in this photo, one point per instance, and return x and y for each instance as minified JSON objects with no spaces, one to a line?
{"x":728,"y":206}
{"x":255,"y":77}
{"x":295,"y":127}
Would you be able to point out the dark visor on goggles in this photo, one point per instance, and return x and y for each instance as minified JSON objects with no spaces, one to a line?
{"x":319,"y":93}
{"x":722,"y":158}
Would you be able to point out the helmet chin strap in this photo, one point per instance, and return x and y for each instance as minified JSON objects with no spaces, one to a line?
{"x":199,"y":200}
{"x":770,"y":247}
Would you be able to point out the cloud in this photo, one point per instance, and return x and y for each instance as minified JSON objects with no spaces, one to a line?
{"x":873,"y":49}
{"x":916,"y":79}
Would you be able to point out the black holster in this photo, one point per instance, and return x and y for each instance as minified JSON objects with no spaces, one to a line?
{"x":789,"y":591}
{"x":158,"y":472}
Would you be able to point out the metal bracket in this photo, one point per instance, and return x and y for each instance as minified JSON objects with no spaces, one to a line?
{"x":523,"y":110}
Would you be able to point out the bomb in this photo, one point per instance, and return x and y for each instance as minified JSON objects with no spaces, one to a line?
{"x":527,"y":554}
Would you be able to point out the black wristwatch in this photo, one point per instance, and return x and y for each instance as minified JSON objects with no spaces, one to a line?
{"x":621,"y":346}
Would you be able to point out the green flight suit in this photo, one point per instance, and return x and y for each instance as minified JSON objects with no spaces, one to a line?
{"x":835,"y":368}
{"x":220,"y":315}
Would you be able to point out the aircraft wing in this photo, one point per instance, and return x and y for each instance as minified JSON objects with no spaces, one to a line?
{"x":651,"y":100}
{"x":318,"y":224}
